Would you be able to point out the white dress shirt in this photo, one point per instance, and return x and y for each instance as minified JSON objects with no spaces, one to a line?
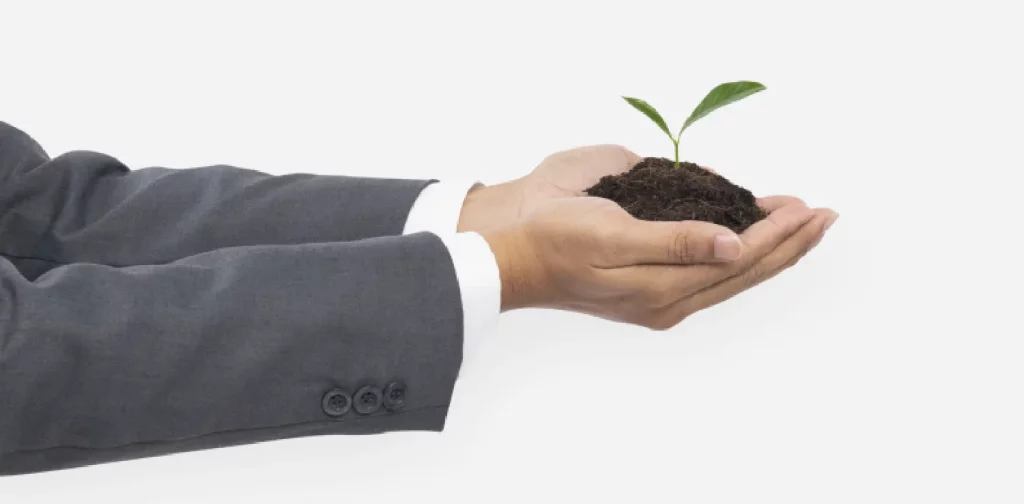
{"x":437,"y":210}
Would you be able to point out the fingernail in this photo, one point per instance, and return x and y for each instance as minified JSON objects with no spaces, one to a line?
{"x":831,"y":220}
{"x":727,"y":247}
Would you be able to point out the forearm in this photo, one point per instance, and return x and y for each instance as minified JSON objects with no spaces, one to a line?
{"x":233,"y":346}
{"x":89,"y":207}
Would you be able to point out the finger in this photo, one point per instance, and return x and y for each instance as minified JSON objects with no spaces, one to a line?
{"x":609,"y":158}
{"x":780,"y":259}
{"x":657,"y":242}
{"x":766,"y":234}
{"x":675,"y":283}
{"x":625,"y":157}
{"x":621,"y":158}
{"x":828,"y":225}
{"x":772,"y":203}
{"x":630,"y":158}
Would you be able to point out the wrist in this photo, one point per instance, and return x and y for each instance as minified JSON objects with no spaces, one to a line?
{"x":518,"y":267}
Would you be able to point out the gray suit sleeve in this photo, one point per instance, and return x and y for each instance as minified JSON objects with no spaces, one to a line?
{"x":89,"y":207}
{"x":233,"y":346}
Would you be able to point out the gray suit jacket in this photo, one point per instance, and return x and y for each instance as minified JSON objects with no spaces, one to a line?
{"x":146,"y":312}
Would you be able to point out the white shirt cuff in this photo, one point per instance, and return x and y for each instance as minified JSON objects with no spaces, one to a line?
{"x":480,"y":286}
{"x":437,"y":210}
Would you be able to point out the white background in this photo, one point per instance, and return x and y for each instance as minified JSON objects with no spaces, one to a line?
{"x":885,"y":367}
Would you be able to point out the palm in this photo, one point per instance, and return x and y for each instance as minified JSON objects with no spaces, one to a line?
{"x":567,"y":174}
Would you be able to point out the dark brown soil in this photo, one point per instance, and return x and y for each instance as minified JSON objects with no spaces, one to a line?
{"x":656,"y":190}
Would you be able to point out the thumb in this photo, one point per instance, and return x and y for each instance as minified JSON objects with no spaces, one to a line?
{"x":685,"y":242}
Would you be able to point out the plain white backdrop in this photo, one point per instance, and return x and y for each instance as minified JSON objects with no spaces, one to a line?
{"x":885,"y":367}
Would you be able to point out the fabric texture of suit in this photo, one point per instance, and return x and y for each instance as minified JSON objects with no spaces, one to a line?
{"x":152,"y":311}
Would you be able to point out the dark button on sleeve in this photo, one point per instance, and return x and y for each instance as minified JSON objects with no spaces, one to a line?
{"x":368,"y":400}
{"x":336,"y":403}
{"x":394,"y":396}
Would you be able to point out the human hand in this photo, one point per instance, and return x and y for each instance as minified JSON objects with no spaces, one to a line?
{"x":588,"y":255}
{"x":564,"y":174}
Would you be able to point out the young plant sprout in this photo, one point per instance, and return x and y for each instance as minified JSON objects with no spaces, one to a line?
{"x":719,"y":97}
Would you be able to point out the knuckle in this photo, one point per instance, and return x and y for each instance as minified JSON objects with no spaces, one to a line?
{"x":557,"y":155}
{"x":753,"y":277}
{"x":805,"y":249}
{"x":792,"y":262}
{"x":681,"y":248}
{"x":793,"y":200}
{"x":808,"y":240}
{"x":659,"y":294}
{"x":818,"y":236}
{"x":630,"y":156}
{"x":606,"y":245}
{"x":659,"y":324}
{"x":611,"y":148}
{"x":795,"y":259}
{"x":610,"y":236}
{"x":740,"y":266}
{"x":666,"y":321}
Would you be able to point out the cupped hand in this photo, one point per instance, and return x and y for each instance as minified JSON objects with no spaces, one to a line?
{"x":563,"y":174}
{"x":588,"y":255}
{"x":567,"y":173}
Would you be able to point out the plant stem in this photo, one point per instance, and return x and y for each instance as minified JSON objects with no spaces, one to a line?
{"x":676,"y":143}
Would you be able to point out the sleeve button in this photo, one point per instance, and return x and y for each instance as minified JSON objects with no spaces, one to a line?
{"x":336,"y":403}
{"x":394,"y":396}
{"x":368,"y":400}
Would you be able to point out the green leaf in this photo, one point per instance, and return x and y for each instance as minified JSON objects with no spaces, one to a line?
{"x":649,"y":111}
{"x":721,"y":96}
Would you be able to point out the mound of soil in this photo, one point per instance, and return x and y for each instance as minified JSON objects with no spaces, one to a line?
{"x":656,"y":190}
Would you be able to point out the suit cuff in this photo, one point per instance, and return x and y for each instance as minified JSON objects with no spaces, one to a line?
{"x":437,"y":210}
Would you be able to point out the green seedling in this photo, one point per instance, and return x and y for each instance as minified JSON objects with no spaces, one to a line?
{"x":719,"y":97}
